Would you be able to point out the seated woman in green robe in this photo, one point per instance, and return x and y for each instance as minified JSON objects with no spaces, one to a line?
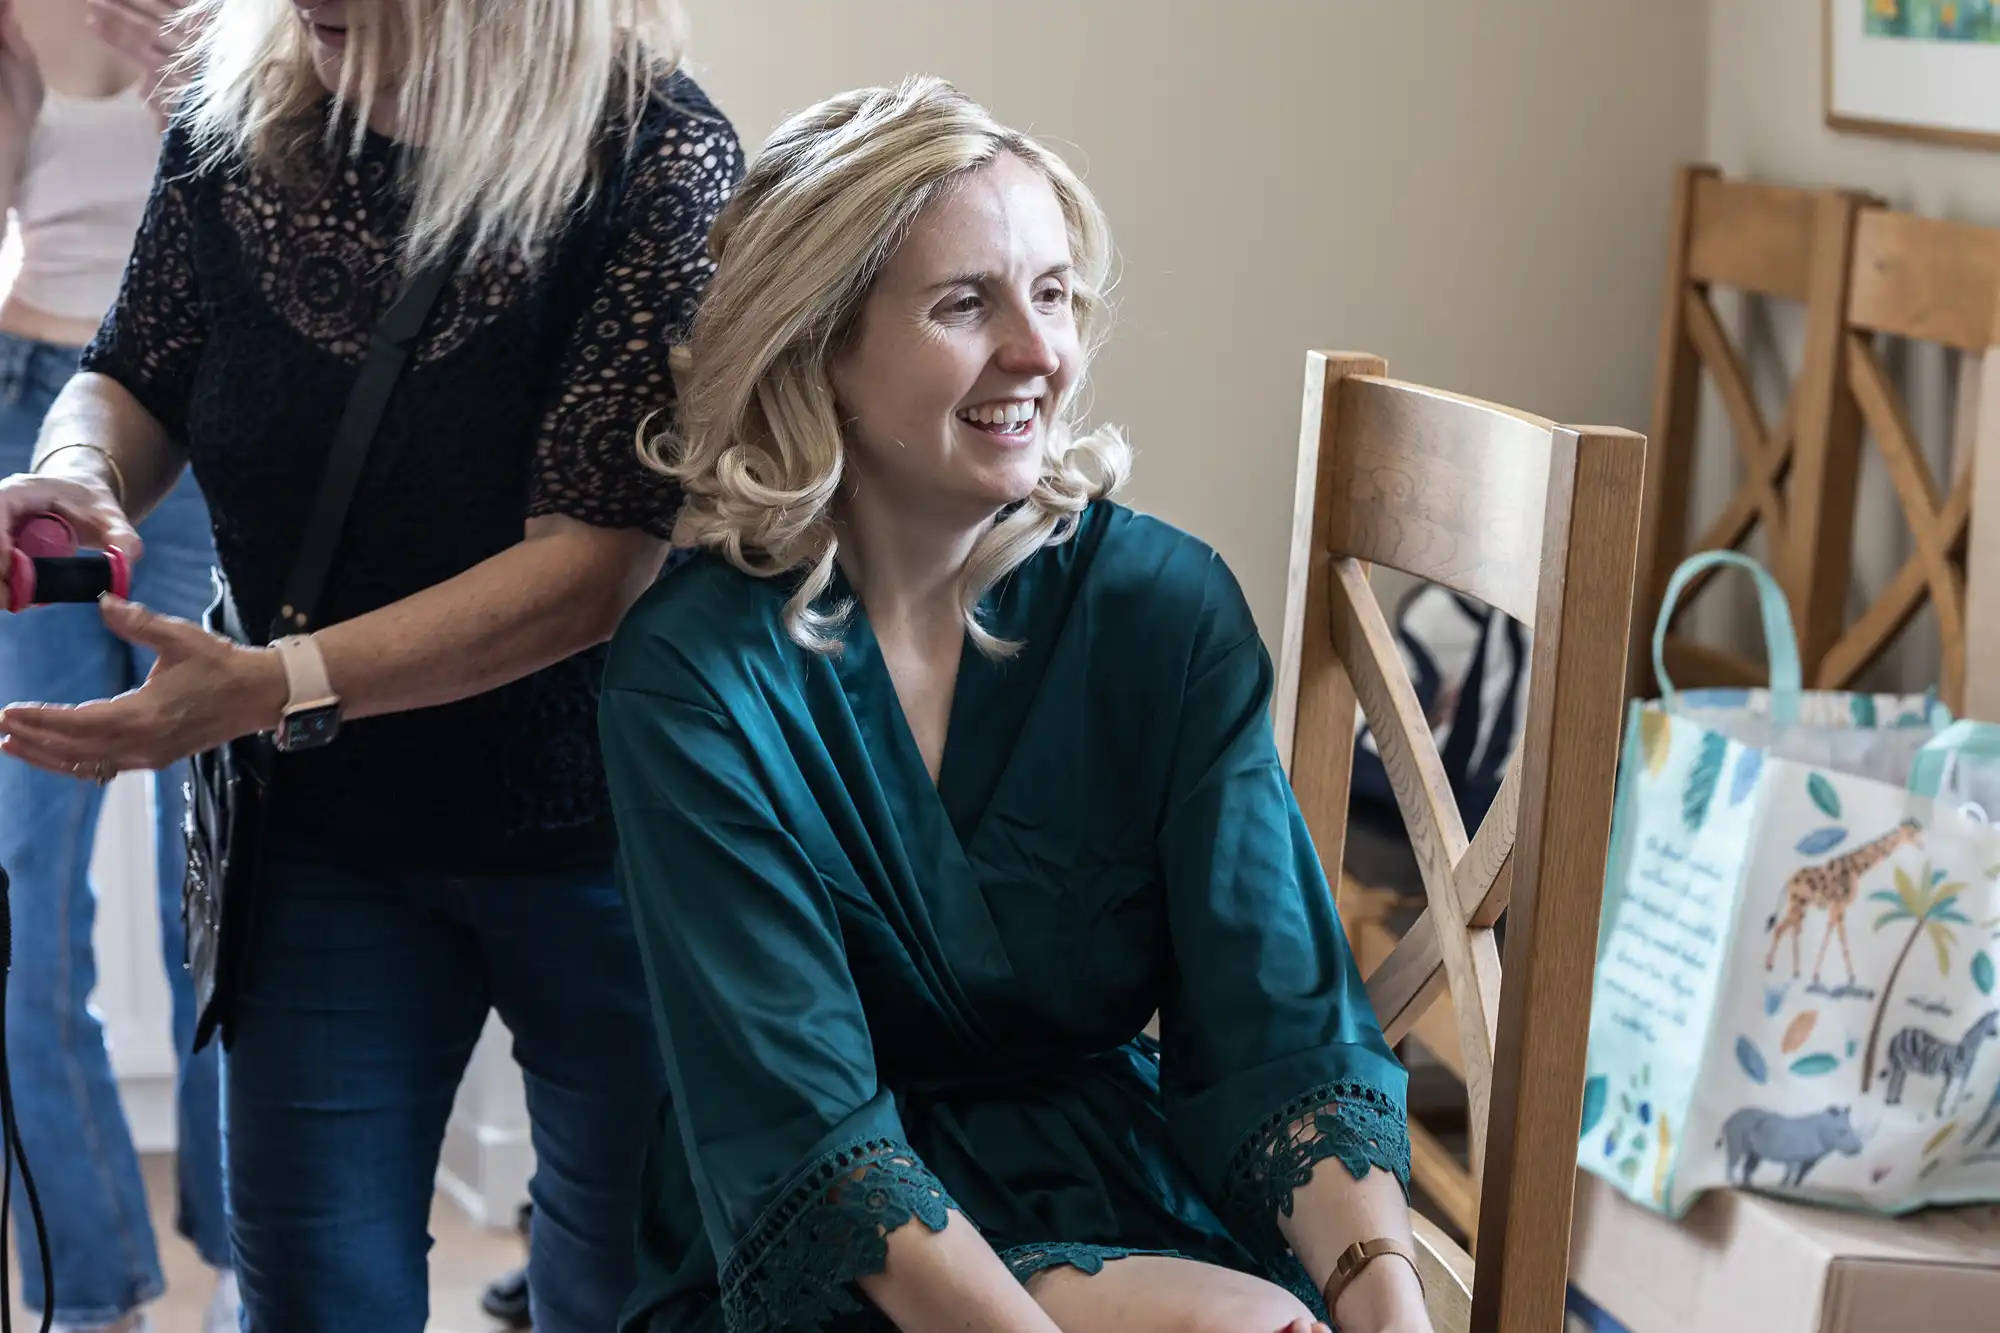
{"x":937,"y":775}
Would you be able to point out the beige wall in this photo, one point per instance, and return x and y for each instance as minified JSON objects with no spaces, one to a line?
{"x":1477,"y":191}
{"x":1765,"y":121}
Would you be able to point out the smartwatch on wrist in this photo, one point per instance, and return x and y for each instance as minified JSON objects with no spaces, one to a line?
{"x":312,"y":710}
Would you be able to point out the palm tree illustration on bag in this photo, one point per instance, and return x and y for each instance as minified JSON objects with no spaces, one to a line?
{"x":1931,"y":906}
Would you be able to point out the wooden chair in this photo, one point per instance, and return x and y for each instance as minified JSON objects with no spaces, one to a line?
{"x":1767,"y":241}
{"x":1926,"y":281}
{"x":1982,"y":601}
{"x":1540,"y":521}
{"x":1370,"y":916}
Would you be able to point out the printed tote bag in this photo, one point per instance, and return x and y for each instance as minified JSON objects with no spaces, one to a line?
{"x":1795,"y":968}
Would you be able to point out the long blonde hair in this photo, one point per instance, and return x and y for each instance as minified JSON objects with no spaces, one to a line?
{"x":507,"y":96}
{"x":758,"y":449}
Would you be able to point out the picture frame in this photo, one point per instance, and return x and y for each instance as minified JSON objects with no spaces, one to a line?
{"x":1922,"y":70}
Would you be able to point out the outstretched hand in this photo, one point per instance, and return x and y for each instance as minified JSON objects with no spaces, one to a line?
{"x":202,"y":691}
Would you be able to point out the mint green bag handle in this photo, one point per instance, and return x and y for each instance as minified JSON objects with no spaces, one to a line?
{"x":1975,"y":740}
{"x":1781,"y":640}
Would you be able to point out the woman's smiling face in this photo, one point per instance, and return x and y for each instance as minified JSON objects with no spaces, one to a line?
{"x":964,"y":348}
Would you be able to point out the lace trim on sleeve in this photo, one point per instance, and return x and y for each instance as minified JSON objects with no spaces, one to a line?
{"x":797,"y":1268}
{"x":615,"y":385}
{"x":1360,"y":1126}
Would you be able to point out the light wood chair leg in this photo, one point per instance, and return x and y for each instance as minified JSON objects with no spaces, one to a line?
{"x":1446,"y":1271}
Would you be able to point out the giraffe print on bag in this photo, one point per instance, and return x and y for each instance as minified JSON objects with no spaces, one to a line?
{"x":1831,"y":886}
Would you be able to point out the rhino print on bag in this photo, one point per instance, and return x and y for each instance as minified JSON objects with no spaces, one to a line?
{"x":1831,"y":886}
{"x":1754,"y":1136}
{"x":1915,"y":1051}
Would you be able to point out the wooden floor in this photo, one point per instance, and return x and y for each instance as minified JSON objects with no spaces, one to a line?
{"x":464,"y":1260}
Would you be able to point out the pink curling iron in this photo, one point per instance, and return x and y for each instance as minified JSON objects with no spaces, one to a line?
{"x":48,"y":567}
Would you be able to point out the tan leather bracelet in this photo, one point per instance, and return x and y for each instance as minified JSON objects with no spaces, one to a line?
{"x":117,"y":473}
{"x":1357,"y":1257}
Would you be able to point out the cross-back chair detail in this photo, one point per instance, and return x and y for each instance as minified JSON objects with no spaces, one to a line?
{"x":1541,"y":522}
{"x":1930,"y":281}
{"x":1768,"y":241}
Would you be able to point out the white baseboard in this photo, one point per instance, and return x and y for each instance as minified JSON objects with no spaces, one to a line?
{"x":485,"y":1170}
{"x":151,"y":1112}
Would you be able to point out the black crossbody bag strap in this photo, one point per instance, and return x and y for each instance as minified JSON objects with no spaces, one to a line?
{"x":229,"y":787}
{"x":380,"y":370}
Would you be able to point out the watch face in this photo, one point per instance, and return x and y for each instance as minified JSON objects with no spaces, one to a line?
{"x":308,"y":728}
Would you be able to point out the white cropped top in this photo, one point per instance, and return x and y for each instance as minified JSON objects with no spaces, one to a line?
{"x":83,"y":189}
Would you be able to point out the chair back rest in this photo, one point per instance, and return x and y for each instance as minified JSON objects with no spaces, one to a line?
{"x":1928,"y":281}
{"x":1542,"y":522}
{"x":1766,"y":241}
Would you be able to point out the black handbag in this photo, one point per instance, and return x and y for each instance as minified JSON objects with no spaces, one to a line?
{"x":229,"y":787}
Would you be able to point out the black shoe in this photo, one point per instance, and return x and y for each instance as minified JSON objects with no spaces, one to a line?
{"x":506,"y":1299}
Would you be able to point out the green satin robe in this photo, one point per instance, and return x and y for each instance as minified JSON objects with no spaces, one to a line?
{"x":879,"y":998}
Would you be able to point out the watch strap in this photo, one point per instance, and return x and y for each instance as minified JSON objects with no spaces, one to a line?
{"x":306,"y":681}
{"x":1358,"y":1256}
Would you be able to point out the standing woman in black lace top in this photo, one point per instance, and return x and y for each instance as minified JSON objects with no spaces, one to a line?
{"x":450,"y":850}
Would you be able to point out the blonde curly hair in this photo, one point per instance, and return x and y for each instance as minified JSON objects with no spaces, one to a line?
{"x":759,"y":450}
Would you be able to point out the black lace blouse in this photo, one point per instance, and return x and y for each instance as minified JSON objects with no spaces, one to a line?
{"x":247,"y":307}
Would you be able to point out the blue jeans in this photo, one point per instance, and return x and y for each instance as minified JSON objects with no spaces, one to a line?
{"x":101,"y":1242}
{"x":363,"y":995}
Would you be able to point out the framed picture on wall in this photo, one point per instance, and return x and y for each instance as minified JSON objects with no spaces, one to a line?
{"x":1915,"y":69}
